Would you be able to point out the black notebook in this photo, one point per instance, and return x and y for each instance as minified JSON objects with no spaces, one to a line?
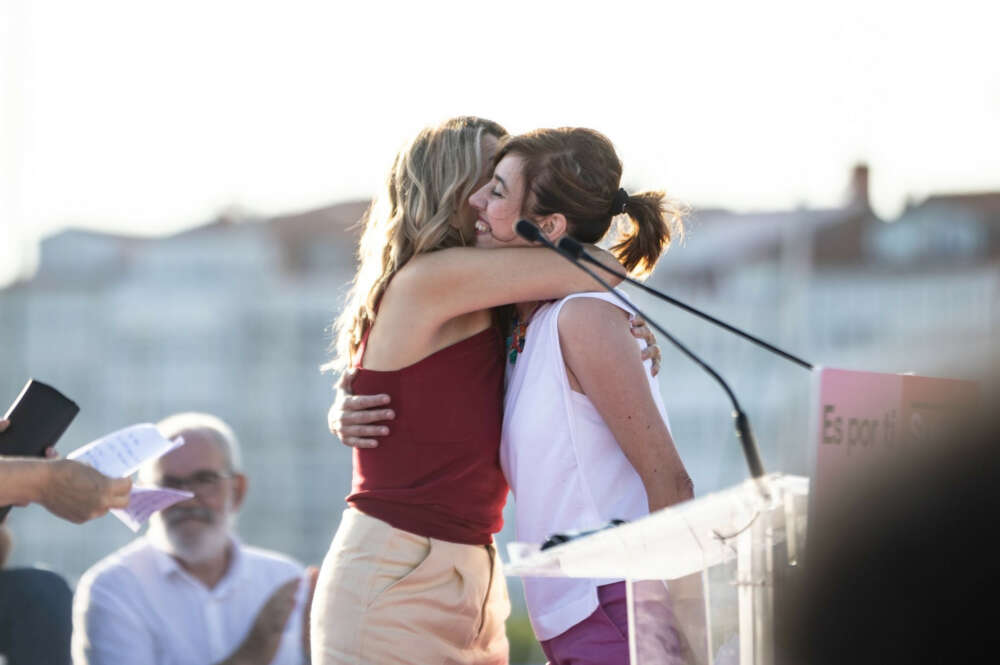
{"x":38,"y":417}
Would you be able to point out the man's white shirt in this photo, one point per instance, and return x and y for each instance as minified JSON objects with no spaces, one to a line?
{"x":138,"y":606}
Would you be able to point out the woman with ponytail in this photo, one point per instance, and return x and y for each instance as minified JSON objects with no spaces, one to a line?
{"x":577,"y":384}
{"x":576,"y":380}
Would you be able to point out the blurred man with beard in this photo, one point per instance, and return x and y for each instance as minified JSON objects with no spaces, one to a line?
{"x":189,"y":593}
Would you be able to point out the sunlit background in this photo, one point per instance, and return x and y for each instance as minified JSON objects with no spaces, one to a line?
{"x":178,"y":180}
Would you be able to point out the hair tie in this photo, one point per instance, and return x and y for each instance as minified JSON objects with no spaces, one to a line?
{"x":619,"y":203}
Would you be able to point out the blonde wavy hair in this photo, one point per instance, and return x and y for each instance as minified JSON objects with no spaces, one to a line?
{"x":429,"y":180}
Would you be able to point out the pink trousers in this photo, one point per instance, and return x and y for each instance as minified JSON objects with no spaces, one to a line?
{"x":602,"y":638}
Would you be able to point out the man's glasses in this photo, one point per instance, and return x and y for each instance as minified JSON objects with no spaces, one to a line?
{"x":200,"y":482}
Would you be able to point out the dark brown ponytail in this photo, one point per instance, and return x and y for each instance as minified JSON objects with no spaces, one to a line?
{"x":655,"y":222}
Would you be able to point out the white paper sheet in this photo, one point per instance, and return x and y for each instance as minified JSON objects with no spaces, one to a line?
{"x":120,"y":454}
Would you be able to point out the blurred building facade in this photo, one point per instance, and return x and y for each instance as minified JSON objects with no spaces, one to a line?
{"x":837,"y":287}
{"x":233,"y":318}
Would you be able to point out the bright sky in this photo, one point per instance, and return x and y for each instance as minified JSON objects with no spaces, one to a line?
{"x":148,"y":117}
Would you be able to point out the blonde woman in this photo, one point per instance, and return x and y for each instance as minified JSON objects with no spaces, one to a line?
{"x":412,"y":575}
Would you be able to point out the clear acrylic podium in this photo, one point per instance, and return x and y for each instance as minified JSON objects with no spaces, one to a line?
{"x":721,"y":558}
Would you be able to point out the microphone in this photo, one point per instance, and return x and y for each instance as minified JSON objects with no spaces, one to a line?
{"x":530,"y":232}
{"x":574,"y":249}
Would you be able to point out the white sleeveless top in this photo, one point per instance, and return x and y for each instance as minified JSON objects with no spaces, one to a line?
{"x":563,"y":464}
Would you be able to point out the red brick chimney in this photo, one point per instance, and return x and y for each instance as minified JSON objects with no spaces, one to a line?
{"x":858,"y":194}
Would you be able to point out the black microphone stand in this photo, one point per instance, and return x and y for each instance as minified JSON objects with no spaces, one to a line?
{"x":530,"y":232}
{"x":574,"y":249}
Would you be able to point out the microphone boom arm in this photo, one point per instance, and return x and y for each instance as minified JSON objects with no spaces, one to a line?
{"x":575,"y":249}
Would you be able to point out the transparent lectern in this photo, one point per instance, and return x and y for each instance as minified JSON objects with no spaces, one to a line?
{"x":721,"y":558}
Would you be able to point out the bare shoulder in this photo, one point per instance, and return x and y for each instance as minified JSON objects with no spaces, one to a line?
{"x":589,"y":319}
{"x":586,"y":324}
{"x":415,"y":293}
{"x":597,"y":345}
{"x":414,"y":319}
{"x":434,"y":281}
{"x":414,"y":274}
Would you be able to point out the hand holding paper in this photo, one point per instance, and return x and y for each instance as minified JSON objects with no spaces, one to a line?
{"x":77,"y":492}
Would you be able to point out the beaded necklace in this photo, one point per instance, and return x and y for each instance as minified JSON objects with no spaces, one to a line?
{"x":515,"y":341}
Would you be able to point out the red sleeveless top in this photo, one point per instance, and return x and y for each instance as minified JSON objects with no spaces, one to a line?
{"x":437,"y":473}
